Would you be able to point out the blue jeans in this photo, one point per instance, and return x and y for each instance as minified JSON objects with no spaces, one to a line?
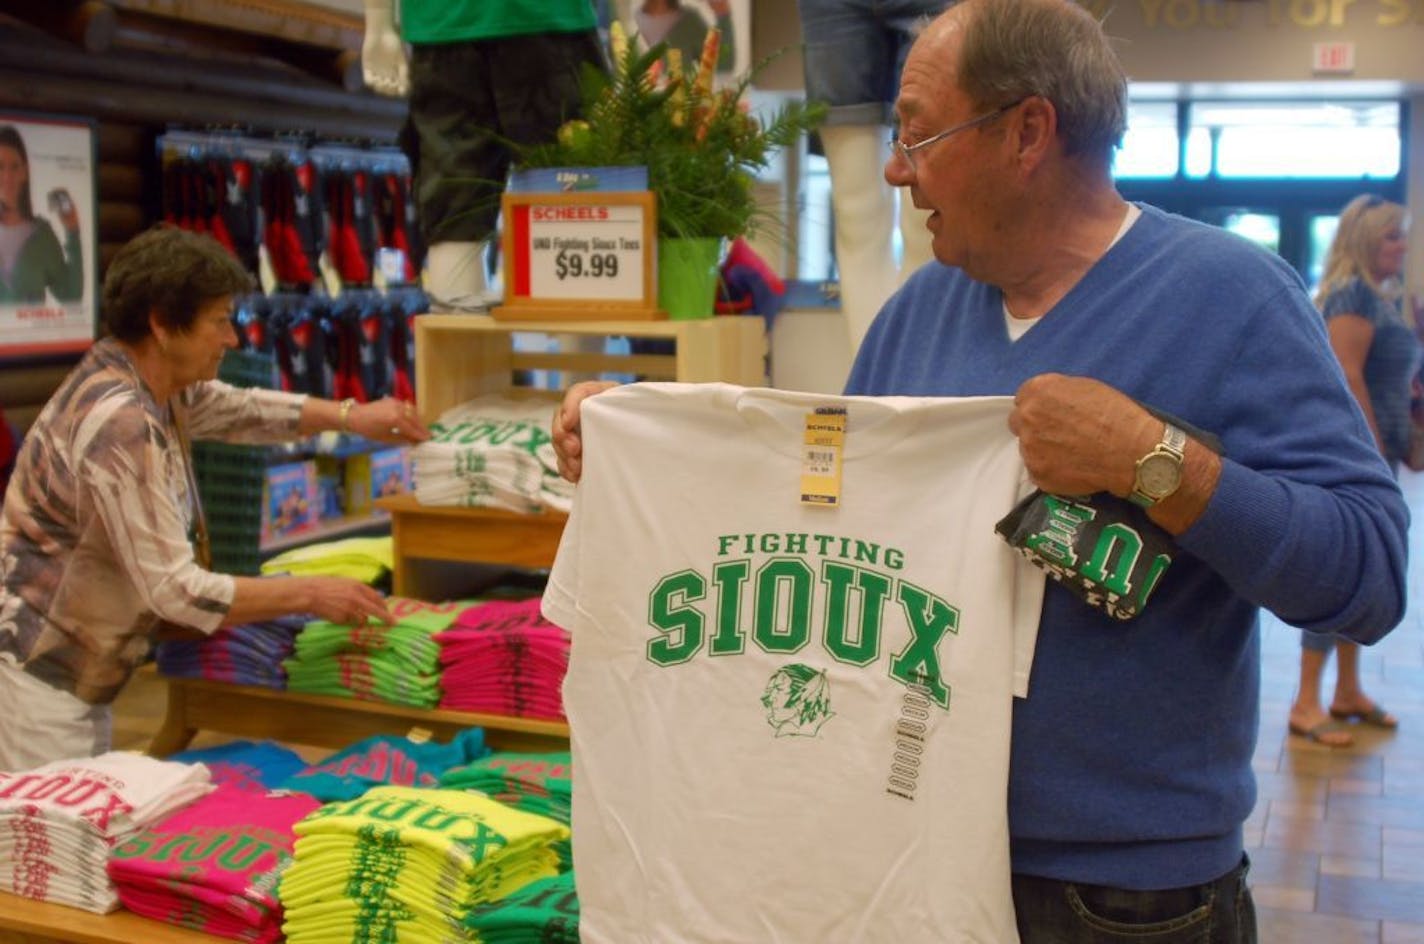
{"x":854,"y":50}
{"x":1055,"y":912}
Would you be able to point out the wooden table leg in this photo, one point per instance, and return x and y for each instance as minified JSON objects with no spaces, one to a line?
{"x":175,"y":733}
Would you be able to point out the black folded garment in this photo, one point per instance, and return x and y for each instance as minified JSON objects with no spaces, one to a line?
{"x":1106,"y":550}
{"x":1103,"y":548}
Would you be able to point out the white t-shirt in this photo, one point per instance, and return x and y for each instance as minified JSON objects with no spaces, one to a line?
{"x":57,"y":821}
{"x":750,"y":762}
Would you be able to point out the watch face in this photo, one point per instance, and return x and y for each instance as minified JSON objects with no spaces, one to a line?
{"x":1158,"y":476}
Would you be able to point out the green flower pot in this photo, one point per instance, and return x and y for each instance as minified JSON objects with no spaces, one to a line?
{"x":687,"y":276}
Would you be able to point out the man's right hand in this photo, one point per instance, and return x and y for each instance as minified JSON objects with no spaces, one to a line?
{"x":566,"y":431}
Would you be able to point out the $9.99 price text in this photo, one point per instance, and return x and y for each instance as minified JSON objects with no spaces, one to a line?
{"x":576,"y":265}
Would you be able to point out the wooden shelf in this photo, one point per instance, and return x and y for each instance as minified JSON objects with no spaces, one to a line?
{"x":323,"y":531}
{"x":326,"y":721}
{"x":461,"y":357}
{"x":468,"y":535}
{"x":23,"y":921}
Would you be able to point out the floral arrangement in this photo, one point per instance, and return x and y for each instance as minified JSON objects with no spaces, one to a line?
{"x":701,"y":147}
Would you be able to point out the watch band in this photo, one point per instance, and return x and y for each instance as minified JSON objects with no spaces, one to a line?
{"x":1174,"y":441}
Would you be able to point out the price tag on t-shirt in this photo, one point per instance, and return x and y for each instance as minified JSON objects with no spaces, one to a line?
{"x":821,"y":450}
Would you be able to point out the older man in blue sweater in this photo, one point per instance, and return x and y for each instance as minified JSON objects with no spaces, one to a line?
{"x":1131,"y":759}
{"x":1131,"y":772}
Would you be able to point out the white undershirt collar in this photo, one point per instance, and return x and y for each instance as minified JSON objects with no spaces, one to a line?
{"x":1018,"y":327}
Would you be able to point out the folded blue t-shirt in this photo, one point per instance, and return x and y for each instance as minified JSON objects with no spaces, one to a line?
{"x":384,"y":760}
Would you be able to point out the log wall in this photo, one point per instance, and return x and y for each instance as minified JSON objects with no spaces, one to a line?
{"x":137,"y":74}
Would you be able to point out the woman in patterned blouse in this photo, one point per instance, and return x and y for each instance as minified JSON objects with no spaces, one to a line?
{"x":94,"y":548}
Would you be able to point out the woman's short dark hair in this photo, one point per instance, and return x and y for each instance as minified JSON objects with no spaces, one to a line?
{"x":171,"y":273}
{"x":10,"y":138}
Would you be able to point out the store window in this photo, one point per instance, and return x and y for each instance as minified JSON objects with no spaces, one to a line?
{"x":1151,"y":147}
{"x":1326,"y":139}
{"x":1275,"y":171}
{"x":816,"y":259}
{"x":1263,"y":229}
{"x":1322,"y":232}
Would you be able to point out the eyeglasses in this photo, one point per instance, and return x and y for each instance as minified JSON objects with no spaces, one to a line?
{"x":900,"y":149}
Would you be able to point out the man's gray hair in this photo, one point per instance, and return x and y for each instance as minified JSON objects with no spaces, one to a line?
{"x":1012,"y":49}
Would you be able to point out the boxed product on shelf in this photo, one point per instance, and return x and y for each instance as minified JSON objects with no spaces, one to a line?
{"x":373,"y":475}
{"x":330,"y":487}
{"x":290,"y":501}
{"x":390,"y":472}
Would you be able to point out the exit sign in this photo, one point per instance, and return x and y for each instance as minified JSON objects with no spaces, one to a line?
{"x":1334,"y":57}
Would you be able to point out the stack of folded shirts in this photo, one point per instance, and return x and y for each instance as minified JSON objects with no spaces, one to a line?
{"x":58,"y":822}
{"x":250,"y":654}
{"x":404,"y":864}
{"x":542,"y":912}
{"x":540,"y":783}
{"x":385,"y":760}
{"x":503,"y":657}
{"x":369,"y":560}
{"x":397,"y":662}
{"x":214,"y":865}
{"x":491,"y":452}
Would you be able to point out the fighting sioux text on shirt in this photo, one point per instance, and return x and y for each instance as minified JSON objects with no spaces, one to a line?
{"x":771,"y":600}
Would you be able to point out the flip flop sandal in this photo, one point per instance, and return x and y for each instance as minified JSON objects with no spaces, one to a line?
{"x":1375,"y":717}
{"x":1318,"y":733}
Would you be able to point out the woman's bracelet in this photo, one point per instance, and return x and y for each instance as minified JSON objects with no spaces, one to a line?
{"x":343,"y":411}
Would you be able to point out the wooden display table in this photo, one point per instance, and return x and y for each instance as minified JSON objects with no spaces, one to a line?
{"x":466,"y":535}
{"x":325,"y":721}
{"x":29,"y":922}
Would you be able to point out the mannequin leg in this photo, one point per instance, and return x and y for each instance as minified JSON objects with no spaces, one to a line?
{"x":916,"y":239}
{"x":455,"y":277}
{"x":865,"y":218}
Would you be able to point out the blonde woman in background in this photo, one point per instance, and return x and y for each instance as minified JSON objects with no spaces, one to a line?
{"x":1379,"y":353}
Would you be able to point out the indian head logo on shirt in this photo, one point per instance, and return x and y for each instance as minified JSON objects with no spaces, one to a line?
{"x":797,"y":700}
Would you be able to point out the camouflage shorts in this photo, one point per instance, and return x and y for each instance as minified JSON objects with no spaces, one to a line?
{"x":472,"y":105}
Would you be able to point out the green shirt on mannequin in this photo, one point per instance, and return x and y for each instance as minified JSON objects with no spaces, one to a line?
{"x":453,"y":21}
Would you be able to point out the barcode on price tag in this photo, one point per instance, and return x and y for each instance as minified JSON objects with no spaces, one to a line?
{"x":821,"y":450}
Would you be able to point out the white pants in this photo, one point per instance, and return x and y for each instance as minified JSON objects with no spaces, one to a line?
{"x":39,"y":724}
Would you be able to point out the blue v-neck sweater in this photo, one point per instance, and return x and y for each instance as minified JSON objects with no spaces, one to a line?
{"x":1131,"y":758}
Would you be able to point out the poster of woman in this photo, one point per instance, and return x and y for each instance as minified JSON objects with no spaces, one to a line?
{"x":47,"y":260}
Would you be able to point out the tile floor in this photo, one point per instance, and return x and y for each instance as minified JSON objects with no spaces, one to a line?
{"x":1337,"y":837}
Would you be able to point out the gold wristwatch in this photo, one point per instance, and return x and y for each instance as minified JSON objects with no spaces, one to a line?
{"x":1159,"y":473}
